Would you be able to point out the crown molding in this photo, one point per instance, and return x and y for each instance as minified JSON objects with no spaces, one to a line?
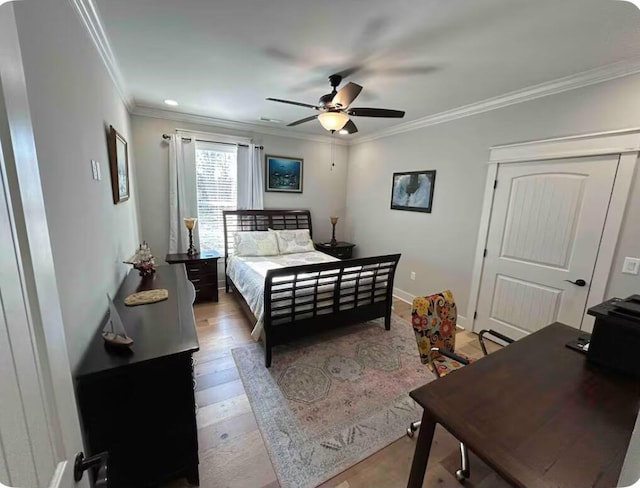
{"x":90,"y":18}
{"x":231,"y":124}
{"x":88,"y":13}
{"x":572,"y":82}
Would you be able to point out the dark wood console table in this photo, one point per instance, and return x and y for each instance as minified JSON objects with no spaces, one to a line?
{"x":140,"y":406}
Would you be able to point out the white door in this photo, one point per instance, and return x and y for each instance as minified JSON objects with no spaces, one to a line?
{"x":545,"y":229}
{"x":39,"y":428}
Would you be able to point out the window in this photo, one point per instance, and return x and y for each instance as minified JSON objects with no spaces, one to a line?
{"x":217,"y":184}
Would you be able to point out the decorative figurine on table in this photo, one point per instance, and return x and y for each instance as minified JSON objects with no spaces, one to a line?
{"x":143,"y":260}
{"x":190,"y":224}
{"x":334,"y":221}
{"x":114,"y":333}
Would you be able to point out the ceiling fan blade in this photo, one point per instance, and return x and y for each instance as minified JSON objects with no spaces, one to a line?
{"x":350,"y":127}
{"x":346,"y":95}
{"x":302,"y":121}
{"x":376,"y":112}
{"x":350,"y":71}
{"x":292,"y":103}
{"x":406,"y":70}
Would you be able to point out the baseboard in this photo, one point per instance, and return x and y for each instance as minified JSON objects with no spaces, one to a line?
{"x":462,"y":322}
{"x":406,"y":297}
{"x":403,"y":296}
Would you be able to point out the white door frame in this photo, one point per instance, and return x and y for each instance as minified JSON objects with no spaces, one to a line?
{"x":625,"y":143}
{"x":35,"y":258}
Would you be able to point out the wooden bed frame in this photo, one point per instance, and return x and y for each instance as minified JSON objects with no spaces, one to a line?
{"x":301,"y":300}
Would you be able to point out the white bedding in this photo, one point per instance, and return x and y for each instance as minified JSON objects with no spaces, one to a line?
{"x":249,"y":273}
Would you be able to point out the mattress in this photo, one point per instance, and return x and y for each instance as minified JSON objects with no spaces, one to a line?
{"x":248,"y":275}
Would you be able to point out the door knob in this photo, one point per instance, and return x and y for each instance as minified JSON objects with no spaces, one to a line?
{"x":98,"y":463}
{"x":577,"y":282}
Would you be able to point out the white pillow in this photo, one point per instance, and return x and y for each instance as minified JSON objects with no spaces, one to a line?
{"x":256,"y":243}
{"x":294,"y":241}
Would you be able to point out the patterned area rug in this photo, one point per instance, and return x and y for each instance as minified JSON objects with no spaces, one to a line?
{"x":331,"y":400}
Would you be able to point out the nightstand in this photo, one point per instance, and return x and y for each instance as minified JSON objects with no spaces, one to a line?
{"x":202,"y":271}
{"x":342,"y":250}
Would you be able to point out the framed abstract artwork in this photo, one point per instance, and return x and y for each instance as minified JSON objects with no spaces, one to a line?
{"x":283,"y":174}
{"x":413,"y":191}
{"x":119,"y":165}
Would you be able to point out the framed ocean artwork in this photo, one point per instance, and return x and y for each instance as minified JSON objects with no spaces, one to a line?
{"x":283,"y":174}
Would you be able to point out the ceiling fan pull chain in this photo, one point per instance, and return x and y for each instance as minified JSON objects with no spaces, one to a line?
{"x":333,"y":150}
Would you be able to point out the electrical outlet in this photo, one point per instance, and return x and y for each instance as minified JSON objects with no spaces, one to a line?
{"x":413,"y":276}
{"x":631,"y":266}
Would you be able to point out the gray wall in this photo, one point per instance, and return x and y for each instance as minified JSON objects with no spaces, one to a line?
{"x":73,"y":102}
{"x":323,"y":189}
{"x":440,"y":246}
{"x":631,"y":467}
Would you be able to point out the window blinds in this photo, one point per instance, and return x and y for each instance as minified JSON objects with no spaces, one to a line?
{"x":217,"y":183}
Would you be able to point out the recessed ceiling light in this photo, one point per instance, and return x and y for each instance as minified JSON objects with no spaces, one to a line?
{"x":173,"y":103}
{"x":344,"y":132}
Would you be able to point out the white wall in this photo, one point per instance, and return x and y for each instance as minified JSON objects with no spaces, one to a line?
{"x":323,"y":189}
{"x":73,"y":102}
{"x":631,"y":467}
{"x":439,"y":246}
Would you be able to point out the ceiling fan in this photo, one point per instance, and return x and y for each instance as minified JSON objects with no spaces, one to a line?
{"x":335,"y":110}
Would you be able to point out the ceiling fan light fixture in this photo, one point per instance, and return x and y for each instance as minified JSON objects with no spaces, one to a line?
{"x":333,"y":121}
{"x":344,"y":132}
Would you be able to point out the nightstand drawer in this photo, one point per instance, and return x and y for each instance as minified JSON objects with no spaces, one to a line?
{"x":343,"y":253}
{"x":206,"y":292}
{"x":202,"y":279}
{"x":208,"y":267}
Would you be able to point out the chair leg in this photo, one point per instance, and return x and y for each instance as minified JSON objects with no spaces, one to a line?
{"x":413,"y":426}
{"x":463,"y":473}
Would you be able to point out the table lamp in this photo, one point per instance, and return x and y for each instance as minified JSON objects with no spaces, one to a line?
{"x":190,"y":223}
{"x":334,"y":221}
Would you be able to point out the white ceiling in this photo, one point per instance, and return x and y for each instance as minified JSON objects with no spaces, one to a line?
{"x":222,"y":58}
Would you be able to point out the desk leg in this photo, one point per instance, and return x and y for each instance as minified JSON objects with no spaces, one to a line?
{"x":421,"y":455}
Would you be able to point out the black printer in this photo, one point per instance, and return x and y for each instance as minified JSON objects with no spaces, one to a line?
{"x":615,"y":341}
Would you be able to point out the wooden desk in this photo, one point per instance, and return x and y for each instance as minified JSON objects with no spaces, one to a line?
{"x":536,"y":413}
{"x":139,"y":406}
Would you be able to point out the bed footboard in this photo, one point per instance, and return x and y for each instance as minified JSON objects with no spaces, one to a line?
{"x":301,"y":300}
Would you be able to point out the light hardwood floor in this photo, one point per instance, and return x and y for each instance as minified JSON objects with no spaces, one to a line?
{"x":232,"y":452}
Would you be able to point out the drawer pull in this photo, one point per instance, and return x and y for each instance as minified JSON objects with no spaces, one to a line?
{"x":195,"y":280}
{"x":197,"y":290}
{"x":195,"y":270}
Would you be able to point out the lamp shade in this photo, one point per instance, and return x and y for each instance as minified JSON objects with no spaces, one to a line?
{"x":190,"y":222}
{"x":333,"y":120}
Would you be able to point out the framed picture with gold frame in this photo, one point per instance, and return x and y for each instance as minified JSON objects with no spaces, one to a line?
{"x":119,"y":166}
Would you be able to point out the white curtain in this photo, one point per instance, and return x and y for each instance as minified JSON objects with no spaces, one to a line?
{"x":250,"y":177}
{"x":183,"y":195}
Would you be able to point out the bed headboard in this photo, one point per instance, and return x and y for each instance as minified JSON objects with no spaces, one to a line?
{"x":246,"y":220}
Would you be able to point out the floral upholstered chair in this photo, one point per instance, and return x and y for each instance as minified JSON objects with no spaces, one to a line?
{"x":434,"y":319}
